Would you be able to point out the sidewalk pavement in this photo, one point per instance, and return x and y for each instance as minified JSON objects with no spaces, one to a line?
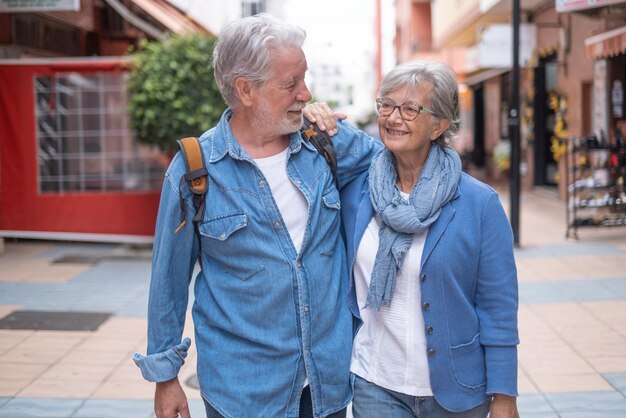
{"x":572,"y":324}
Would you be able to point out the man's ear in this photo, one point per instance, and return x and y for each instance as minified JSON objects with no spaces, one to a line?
{"x":439,"y":128}
{"x":244,"y":90}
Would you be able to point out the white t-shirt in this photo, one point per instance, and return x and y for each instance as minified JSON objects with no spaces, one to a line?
{"x":291,"y":202}
{"x":390,"y":348}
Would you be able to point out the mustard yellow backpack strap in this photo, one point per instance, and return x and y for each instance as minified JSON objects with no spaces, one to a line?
{"x":196,"y":176}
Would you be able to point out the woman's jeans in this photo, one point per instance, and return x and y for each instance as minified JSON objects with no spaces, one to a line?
{"x":372,"y":401}
{"x":306,"y":408}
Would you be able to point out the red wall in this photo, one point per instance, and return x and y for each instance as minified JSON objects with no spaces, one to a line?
{"x":22,"y":207}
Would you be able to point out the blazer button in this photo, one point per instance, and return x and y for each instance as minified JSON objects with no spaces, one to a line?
{"x":426,"y":306}
{"x":423,"y":277}
{"x":429,"y":330}
{"x":431,"y":352}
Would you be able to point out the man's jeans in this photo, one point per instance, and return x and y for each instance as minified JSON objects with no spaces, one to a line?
{"x":306,"y":408}
{"x":372,"y":401}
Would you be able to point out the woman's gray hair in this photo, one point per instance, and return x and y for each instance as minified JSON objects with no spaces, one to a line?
{"x":243,"y":50}
{"x":445,"y":94}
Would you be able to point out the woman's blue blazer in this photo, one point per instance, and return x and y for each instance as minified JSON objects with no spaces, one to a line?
{"x":469,"y":293}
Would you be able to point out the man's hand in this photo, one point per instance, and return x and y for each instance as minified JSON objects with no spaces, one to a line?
{"x":323,"y":116}
{"x":170,"y":400}
{"x":503,"y":406}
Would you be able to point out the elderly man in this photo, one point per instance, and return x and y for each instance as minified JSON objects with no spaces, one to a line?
{"x":272,"y":325}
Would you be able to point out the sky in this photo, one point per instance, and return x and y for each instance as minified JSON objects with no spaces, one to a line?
{"x":340,"y":32}
{"x":345,"y":25}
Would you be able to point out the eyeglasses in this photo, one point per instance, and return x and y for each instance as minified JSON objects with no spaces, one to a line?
{"x":408,"y":110}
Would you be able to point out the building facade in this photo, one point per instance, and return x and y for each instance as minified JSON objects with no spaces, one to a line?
{"x":570,"y":71}
{"x":70,"y":167}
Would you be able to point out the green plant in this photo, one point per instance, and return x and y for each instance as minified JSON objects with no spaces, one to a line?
{"x":172,"y":91}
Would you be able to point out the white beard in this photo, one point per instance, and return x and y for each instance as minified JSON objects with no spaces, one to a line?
{"x":264,"y":123}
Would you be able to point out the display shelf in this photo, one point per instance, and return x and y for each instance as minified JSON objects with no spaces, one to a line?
{"x":595,"y":177}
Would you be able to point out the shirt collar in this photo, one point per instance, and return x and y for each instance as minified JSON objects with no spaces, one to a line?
{"x":223,"y":141}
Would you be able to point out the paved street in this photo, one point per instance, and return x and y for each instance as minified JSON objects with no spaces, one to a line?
{"x":572,"y":324}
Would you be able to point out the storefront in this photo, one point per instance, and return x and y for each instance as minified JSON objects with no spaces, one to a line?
{"x":608,"y":50}
{"x":491,"y":86}
{"x":69,"y":165}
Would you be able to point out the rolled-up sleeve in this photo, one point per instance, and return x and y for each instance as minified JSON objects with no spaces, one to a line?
{"x":173,"y":259}
{"x":161,"y":367}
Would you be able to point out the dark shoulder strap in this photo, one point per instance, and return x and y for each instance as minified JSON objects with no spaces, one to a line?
{"x":196,"y":176}
{"x":322,"y":143}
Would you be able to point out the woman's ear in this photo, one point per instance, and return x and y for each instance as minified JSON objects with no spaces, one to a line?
{"x":244,"y":90}
{"x":439,"y":128}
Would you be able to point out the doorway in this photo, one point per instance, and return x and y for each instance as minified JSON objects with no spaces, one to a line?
{"x":545,"y":81}
{"x":478,"y":153}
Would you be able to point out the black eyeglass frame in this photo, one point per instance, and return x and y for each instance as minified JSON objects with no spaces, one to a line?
{"x":381,"y":100}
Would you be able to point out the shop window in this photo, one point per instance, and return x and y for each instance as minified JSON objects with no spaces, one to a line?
{"x":85,"y":143}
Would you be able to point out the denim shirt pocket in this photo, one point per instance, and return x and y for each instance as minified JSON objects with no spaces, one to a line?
{"x":224,"y":240}
{"x":221,"y":227}
{"x":331,"y":199}
{"x":330,"y":214}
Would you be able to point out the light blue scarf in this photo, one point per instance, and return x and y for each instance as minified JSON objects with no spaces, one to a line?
{"x":401,"y":218}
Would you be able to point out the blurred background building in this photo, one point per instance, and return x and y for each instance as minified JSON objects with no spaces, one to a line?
{"x":573,"y":72}
{"x":70,"y":167}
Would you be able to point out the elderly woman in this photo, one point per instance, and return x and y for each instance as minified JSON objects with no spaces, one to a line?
{"x":434,"y":277}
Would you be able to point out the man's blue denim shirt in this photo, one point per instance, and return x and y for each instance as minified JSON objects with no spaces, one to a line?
{"x":265,"y":316}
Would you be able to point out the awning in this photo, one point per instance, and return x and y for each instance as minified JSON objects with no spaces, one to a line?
{"x":485,"y":75}
{"x":168,"y":16}
{"x":566,"y":6}
{"x":606,"y":44}
{"x":100,"y":63}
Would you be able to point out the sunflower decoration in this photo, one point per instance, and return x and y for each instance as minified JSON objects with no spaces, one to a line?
{"x":558,"y":148}
{"x":558,"y":104}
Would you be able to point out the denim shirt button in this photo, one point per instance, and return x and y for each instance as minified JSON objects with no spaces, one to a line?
{"x":222,"y":237}
{"x":306,"y":309}
{"x":277,"y":224}
{"x":298,"y":264}
{"x":262,"y":183}
{"x":306,"y":352}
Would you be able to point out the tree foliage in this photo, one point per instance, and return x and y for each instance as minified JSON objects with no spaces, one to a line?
{"x":172,"y":91}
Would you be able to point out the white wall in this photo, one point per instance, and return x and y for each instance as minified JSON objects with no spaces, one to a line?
{"x":215,"y":14}
{"x":340,"y":36}
{"x":340,"y":45}
{"x":212,"y":14}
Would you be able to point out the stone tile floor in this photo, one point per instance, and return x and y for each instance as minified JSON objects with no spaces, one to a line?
{"x":572,"y":324}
